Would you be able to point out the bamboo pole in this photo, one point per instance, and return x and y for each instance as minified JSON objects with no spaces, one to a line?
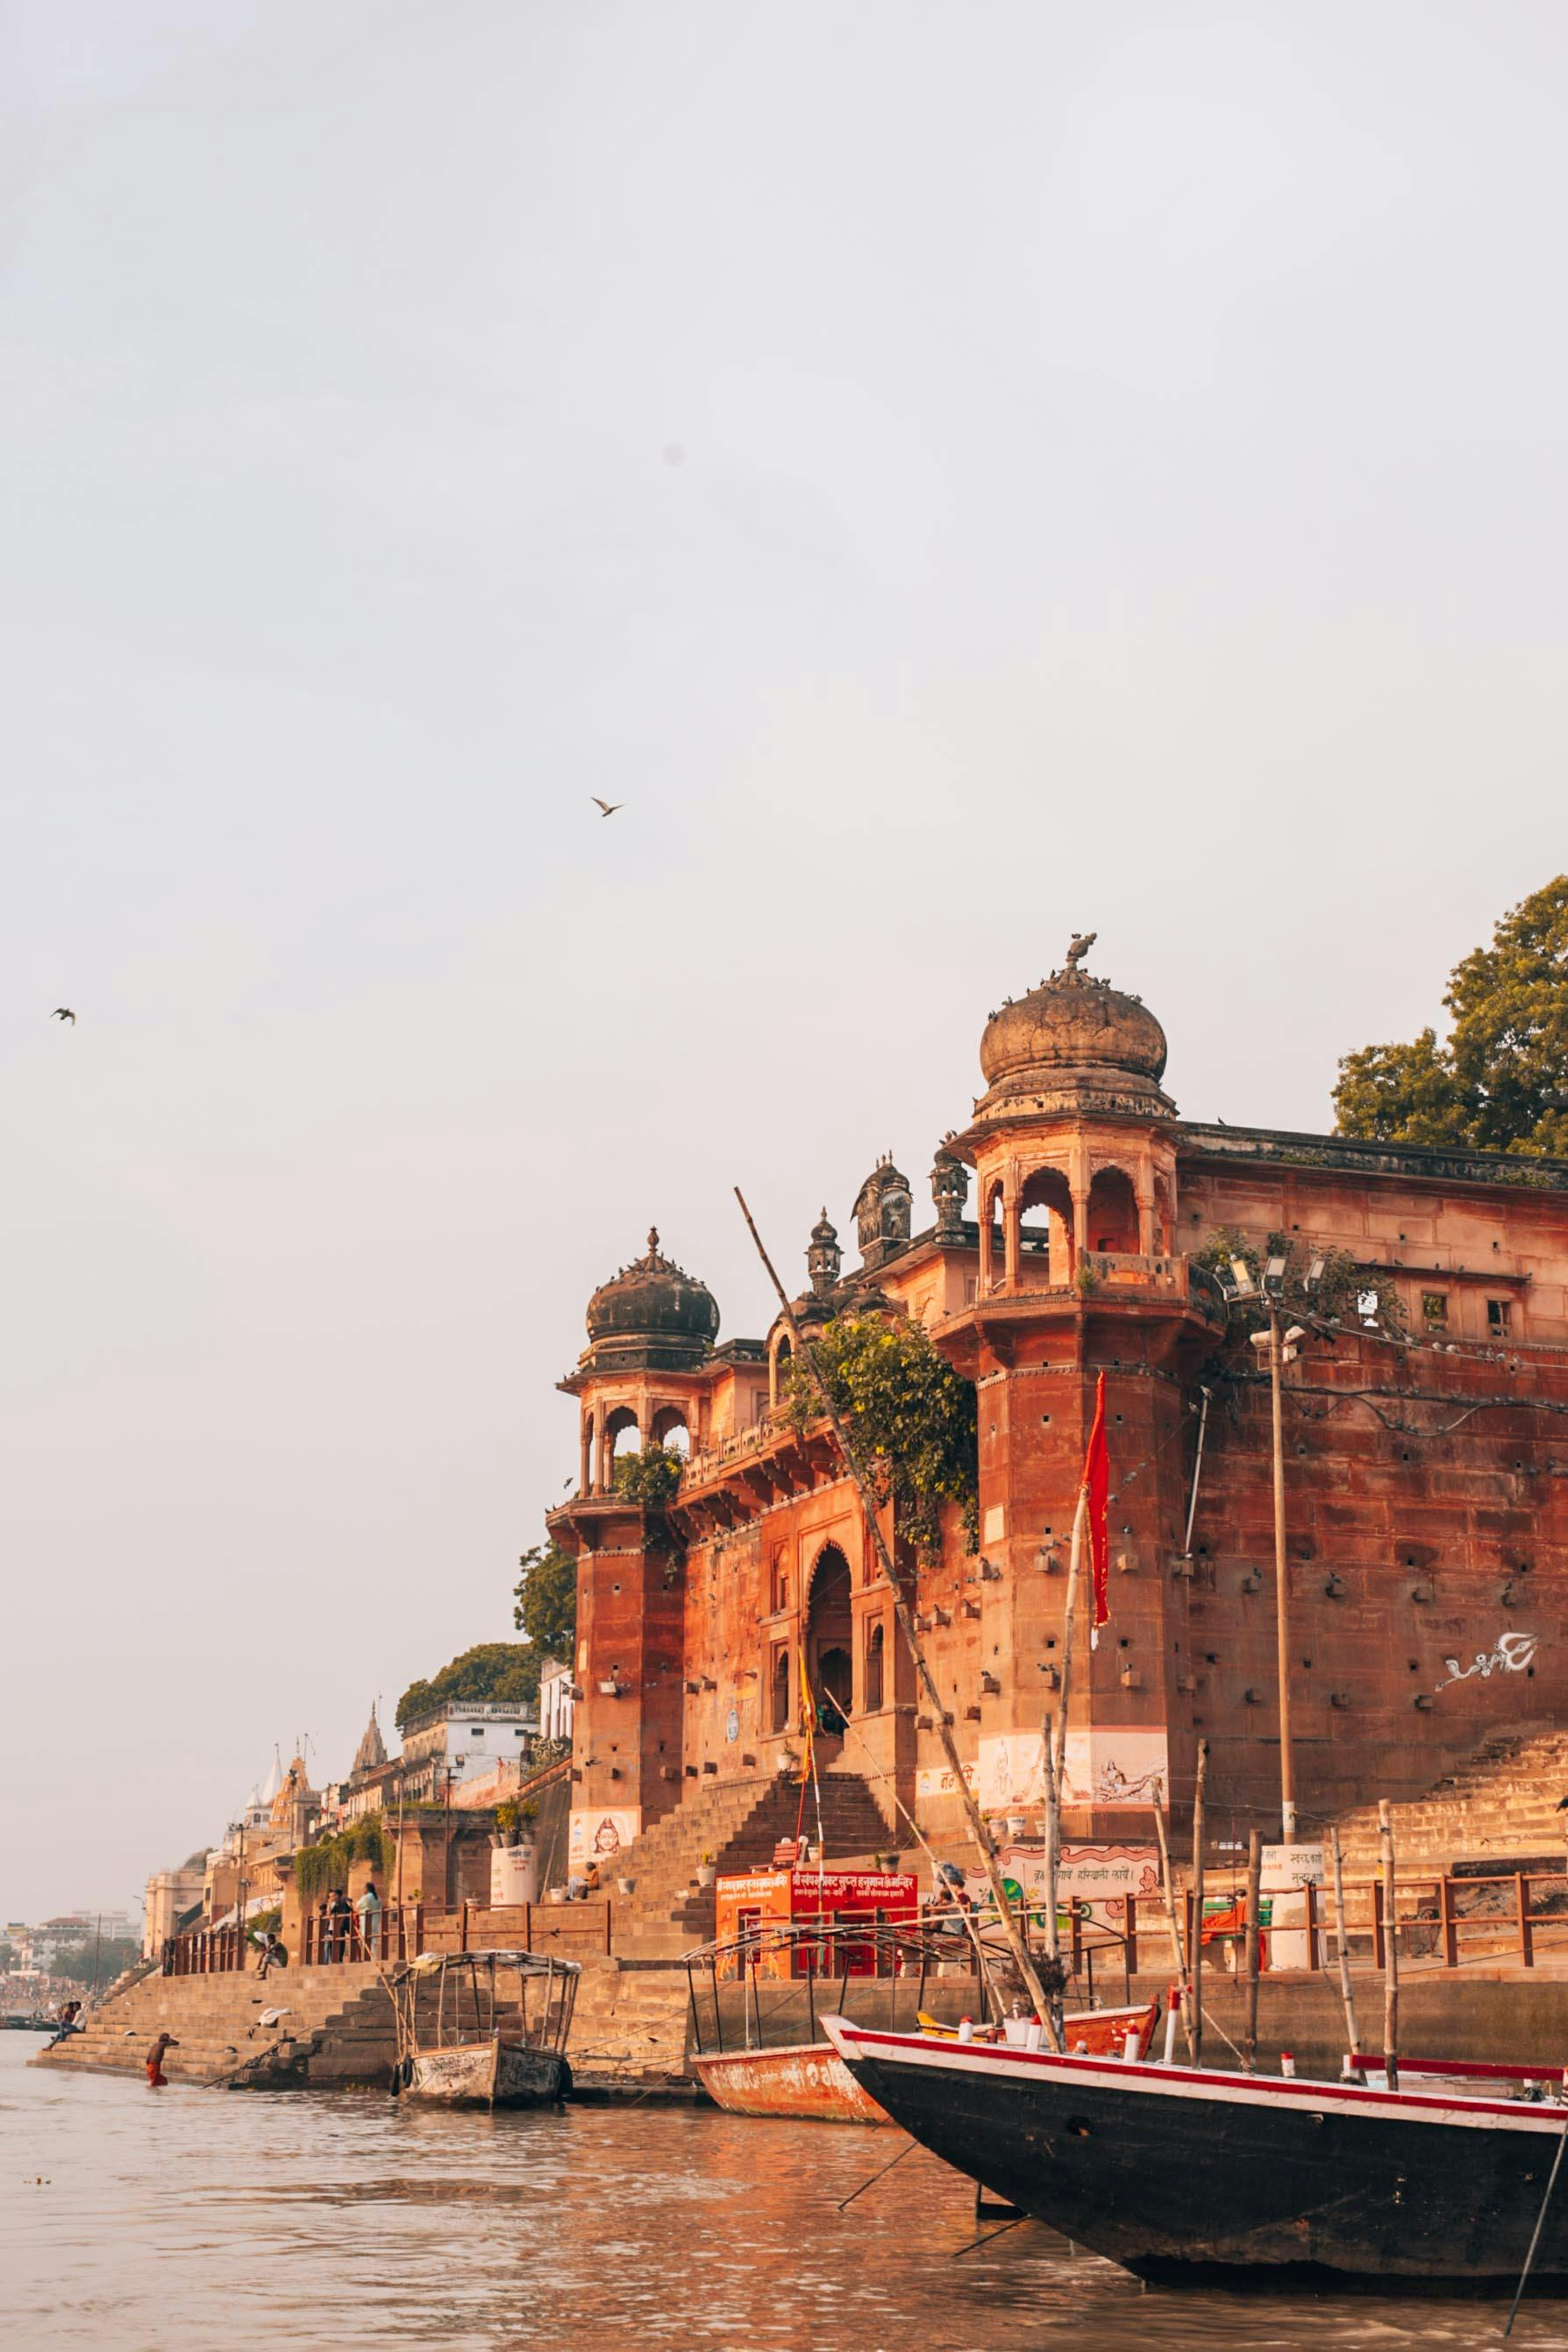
{"x":1075,"y":1561}
{"x":1254,"y":1907}
{"x":1198,"y":1904}
{"x":1167,"y":1890}
{"x":977,"y":1830}
{"x":1346,"y":1995}
{"x":1053,"y":2015}
{"x":1390,"y":1949}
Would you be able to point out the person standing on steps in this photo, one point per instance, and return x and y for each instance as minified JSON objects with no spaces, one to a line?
{"x":368,"y":1909}
{"x":155,"y":2074}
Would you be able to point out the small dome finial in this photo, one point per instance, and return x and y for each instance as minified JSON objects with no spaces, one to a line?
{"x":653,"y":1241}
{"x":1081,"y":943}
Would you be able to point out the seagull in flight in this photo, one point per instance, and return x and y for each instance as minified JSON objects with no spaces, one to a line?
{"x":605,"y":808}
{"x":63,"y":1013}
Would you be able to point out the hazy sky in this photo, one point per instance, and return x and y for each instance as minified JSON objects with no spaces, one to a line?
{"x":958,"y":472}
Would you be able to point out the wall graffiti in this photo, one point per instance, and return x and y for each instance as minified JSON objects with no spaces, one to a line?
{"x":1513,"y":1653}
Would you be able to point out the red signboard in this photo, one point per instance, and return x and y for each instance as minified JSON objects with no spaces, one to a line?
{"x":799,"y":1899}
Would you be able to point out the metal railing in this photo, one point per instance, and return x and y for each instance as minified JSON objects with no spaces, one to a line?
{"x":400,"y":1932}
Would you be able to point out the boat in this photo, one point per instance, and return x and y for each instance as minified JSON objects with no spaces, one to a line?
{"x":807,"y":2080}
{"x":1194,"y":2176}
{"x":498,"y":2034}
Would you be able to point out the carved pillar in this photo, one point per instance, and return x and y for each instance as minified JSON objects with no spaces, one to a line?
{"x":985,"y":1284}
{"x":585,"y":1470}
{"x":1011,"y":1218}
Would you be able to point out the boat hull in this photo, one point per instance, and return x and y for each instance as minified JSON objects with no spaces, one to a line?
{"x":1198,"y":2177}
{"x":808,"y":2080}
{"x":490,"y":2074}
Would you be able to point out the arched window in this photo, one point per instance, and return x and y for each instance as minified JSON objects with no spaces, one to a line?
{"x":784,"y":1355}
{"x":1113,"y":1212}
{"x":782,"y":1693}
{"x":1045,"y":1226}
{"x":669,"y":1428}
{"x":621,"y":1436}
{"x":874,"y":1669}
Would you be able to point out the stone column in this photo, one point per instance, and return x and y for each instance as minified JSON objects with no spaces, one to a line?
{"x":1011,"y":1218}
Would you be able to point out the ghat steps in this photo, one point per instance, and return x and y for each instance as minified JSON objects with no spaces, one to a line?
{"x":738,"y":1823}
{"x":216,"y":2020}
{"x":1498,"y":1808}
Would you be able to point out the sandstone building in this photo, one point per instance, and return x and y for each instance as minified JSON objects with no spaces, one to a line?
{"x":1427,"y":1480}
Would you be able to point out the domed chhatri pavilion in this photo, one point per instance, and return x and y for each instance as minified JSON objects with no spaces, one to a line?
{"x":1428,"y":1504}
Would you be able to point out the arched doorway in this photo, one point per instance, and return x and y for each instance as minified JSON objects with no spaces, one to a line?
{"x":829,"y":1640}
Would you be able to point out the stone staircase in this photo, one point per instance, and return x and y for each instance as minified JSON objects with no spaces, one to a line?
{"x":1499,"y":1807}
{"x":629,"y":2024}
{"x":738,"y":1823}
{"x":338,"y":2027}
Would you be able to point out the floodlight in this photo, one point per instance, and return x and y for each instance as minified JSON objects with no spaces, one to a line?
{"x":1274,"y":1277}
{"x":1260,"y":1338}
{"x":1245,"y":1285}
{"x":1297,"y":1332}
{"x":1226,"y":1281}
{"x":1315,"y":1271}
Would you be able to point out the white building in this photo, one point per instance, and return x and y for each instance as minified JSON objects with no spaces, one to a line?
{"x":555,"y":1693}
{"x":454,"y":1742}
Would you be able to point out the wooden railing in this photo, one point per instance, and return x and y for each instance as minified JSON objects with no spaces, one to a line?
{"x":400,"y":1932}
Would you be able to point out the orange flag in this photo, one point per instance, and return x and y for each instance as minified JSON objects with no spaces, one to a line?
{"x":1097,"y":1489}
{"x":807,"y":1723}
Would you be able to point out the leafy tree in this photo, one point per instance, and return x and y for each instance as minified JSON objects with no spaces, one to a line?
{"x":651,"y":1477}
{"x":8,"y":1959}
{"x":546,"y":1599}
{"x":505,"y":1671}
{"x":76,"y":1962}
{"x":1500,"y":1083}
{"x":910,"y":1414}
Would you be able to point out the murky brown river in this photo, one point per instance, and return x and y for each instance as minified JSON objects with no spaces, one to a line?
{"x":185,"y":2218}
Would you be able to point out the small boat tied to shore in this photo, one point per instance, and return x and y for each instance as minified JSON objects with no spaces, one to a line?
{"x":498,"y":2034}
{"x":801,"y":1965}
{"x":1196,"y":2175}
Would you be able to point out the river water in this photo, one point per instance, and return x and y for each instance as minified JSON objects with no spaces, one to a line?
{"x":185,"y":2217}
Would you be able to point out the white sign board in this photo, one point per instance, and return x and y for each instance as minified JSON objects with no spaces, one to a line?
{"x":1287,"y":1866}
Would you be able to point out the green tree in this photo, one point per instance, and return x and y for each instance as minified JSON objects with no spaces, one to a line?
{"x":546,"y":1603}
{"x":504,"y":1671}
{"x":1500,"y":1083}
{"x":78,"y":1961}
{"x":909,"y":1412}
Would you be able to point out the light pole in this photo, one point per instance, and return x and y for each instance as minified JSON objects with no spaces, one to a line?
{"x":1282,"y":1347}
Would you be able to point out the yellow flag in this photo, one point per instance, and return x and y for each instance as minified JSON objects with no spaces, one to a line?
{"x":808,"y":1720}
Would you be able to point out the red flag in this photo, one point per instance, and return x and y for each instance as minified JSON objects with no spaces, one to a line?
{"x":1097,"y":1491}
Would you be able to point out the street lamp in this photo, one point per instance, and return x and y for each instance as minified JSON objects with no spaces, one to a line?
{"x":1282,"y":1347}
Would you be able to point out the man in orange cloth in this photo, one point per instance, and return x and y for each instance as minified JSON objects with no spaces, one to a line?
{"x":155,"y":2074}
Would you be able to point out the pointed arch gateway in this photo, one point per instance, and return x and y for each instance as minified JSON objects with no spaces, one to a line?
{"x":830,"y":1639}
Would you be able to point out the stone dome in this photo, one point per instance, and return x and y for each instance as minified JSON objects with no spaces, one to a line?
{"x":1072,"y":1022}
{"x":1072,"y":1038}
{"x":652,"y":1299}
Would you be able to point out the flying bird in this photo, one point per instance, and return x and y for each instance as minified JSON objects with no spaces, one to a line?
{"x":63,"y":1013}
{"x":605,"y":808}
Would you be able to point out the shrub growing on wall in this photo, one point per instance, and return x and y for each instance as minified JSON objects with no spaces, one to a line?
{"x":911,"y":1416}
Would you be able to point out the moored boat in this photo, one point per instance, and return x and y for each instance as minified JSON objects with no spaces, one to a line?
{"x":810,"y":2079}
{"x":498,"y":2037}
{"x":789,"y":1967}
{"x":1188,"y":2175}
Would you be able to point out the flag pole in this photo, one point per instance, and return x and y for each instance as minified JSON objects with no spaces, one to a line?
{"x":984,"y":1842}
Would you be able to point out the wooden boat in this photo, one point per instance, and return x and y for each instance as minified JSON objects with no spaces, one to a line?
{"x":806,"y":2079}
{"x":1195,"y":2176}
{"x":498,"y":2037}
{"x":810,"y":2080}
